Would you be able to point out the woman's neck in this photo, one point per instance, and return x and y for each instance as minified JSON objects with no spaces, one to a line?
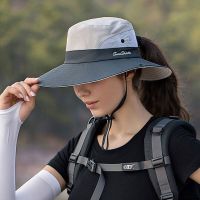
{"x":130,"y":118}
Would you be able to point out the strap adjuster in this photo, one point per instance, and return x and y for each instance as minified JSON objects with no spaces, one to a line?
{"x":157,"y":129}
{"x":69,"y":188}
{"x":73,"y":158}
{"x":91,"y":120}
{"x":167,"y":196}
{"x":91,"y":165}
{"x":158,"y":162}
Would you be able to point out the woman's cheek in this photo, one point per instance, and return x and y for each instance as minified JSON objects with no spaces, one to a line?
{"x":106,"y":107}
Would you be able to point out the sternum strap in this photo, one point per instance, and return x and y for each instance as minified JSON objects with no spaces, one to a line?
{"x":132,"y":166}
{"x":99,"y":168}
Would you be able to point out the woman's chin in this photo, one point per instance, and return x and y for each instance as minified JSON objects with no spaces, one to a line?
{"x":97,"y":114}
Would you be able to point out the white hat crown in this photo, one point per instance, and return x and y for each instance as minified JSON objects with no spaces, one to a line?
{"x":101,"y":33}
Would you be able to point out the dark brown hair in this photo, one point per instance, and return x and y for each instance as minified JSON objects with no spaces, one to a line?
{"x":159,"y":97}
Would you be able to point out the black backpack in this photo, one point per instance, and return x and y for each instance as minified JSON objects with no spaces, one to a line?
{"x":157,"y":160}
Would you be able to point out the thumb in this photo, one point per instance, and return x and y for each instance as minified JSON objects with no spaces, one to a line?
{"x":35,"y":88}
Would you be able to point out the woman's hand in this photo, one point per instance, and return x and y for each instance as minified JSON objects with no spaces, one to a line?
{"x":21,"y":91}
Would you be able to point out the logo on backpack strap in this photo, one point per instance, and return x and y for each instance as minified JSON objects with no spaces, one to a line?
{"x":128,"y":167}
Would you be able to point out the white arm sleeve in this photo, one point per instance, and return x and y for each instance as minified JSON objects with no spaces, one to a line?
{"x":43,"y":186}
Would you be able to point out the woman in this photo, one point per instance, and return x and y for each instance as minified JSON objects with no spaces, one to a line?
{"x":107,"y":72}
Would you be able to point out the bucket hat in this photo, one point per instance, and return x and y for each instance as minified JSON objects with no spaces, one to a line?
{"x":100,"y":48}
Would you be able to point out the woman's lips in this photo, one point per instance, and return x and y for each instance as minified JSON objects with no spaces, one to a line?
{"x":91,"y":104}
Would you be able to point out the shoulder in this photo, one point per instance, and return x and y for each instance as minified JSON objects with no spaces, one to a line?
{"x":184,"y":151}
{"x":183,"y":137}
{"x":183,"y":148}
{"x":175,"y":130}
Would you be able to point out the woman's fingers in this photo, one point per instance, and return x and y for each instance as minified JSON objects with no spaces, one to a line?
{"x":35,"y":88}
{"x":28,"y":89}
{"x":34,"y":84}
{"x":20,"y":87}
{"x":13,"y":91}
{"x":31,"y":81}
{"x":25,"y":89}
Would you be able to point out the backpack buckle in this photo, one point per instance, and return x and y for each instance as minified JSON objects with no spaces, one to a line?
{"x":69,"y":188}
{"x":167,"y":196}
{"x":158,"y":162}
{"x":73,"y":158}
{"x":91,"y":165}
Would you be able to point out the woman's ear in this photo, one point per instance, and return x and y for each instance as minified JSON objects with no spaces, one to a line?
{"x":130,"y":75}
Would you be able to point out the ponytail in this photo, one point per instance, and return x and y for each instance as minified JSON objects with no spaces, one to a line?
{"x":159,"y":97}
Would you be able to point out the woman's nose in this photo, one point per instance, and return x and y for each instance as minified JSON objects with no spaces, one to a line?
{"x":82,"y":90}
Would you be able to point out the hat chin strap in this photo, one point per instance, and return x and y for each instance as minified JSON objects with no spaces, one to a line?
{"x":110,"y":117}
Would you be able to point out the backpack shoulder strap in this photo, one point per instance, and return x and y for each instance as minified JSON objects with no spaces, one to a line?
{"x":81,"y":149}
{"x":156,"y":147}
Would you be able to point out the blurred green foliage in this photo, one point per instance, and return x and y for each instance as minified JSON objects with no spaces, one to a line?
{"x":33,"y":38}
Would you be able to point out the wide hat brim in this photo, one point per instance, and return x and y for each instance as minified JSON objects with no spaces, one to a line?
{"x":71,"y":74}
